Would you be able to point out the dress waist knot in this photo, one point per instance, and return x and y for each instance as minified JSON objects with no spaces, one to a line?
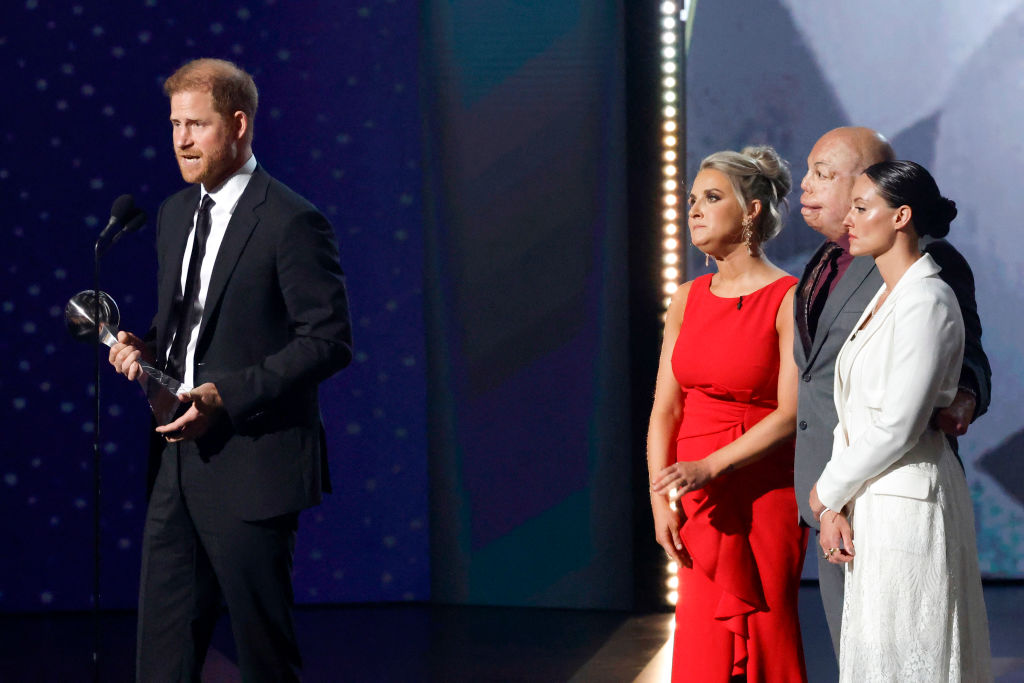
{"x":705,"y":413}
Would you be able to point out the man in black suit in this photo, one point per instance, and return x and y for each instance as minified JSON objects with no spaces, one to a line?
{"x":252,"y":313}
{"x":832,"y":294}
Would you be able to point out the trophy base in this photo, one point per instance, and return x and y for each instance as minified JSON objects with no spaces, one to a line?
{"x":166,"y":406}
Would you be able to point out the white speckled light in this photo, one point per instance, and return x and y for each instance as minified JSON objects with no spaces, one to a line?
{"x":672,"y":267}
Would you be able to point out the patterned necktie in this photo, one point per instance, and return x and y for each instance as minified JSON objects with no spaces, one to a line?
{"x":188,"y":308}
{"x":816,"y":291}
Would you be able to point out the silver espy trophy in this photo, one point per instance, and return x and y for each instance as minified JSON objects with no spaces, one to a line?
{"x":161,"y":389}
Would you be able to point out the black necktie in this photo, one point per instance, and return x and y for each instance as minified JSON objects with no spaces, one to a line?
{"x":815,"y":295}
{"x":188,"y":308}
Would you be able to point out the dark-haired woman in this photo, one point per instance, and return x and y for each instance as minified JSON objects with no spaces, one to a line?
{"x":896,"y":508}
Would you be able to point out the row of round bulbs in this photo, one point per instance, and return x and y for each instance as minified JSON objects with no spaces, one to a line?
{"x":669,"y":143}
{"x":670,"y":198}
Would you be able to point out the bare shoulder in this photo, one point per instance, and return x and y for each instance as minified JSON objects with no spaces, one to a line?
{"x":674,"y":315}
{"x":775,"y":273}
{"x":683,"y":291}
{"x":784,"y":316}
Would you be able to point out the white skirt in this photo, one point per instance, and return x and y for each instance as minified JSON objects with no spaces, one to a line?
{"x":913,"y":608}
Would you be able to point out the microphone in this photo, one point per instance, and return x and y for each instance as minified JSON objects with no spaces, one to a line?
{"x":122,"y":208}
{"x":134,"y":221}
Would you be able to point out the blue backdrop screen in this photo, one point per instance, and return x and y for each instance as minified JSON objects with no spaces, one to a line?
{"x":527,"y":248}
{"x":85,"y":120}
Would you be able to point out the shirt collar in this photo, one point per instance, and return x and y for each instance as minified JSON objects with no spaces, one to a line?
{"x":231,"y":189}
{"x":844,"y":242}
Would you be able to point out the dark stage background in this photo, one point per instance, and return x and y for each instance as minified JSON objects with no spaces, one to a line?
{"x":84,"y":121}
{"x":471,"y":157}
{"x":528,"y":304}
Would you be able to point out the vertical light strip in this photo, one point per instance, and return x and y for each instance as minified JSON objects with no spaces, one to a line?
{"x":673,"y":184}
{"x":672,"y":212}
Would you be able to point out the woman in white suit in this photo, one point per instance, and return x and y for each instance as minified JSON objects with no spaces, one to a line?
{"x":893,"y":501}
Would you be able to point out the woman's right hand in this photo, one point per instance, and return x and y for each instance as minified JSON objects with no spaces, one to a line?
{"x":667,"y":523}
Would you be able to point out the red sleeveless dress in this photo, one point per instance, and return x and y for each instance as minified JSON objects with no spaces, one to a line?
{"x":737,"y":606}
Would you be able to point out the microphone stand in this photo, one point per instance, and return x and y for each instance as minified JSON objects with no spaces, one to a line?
{"x":137,"y":218}
{"x":96,"y":461}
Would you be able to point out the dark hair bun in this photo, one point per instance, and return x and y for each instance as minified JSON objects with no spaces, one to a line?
{"x":906,"y":182}
{"x":935,"y":221}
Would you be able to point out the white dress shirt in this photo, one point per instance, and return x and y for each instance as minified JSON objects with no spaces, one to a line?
{"x":225,"y":200}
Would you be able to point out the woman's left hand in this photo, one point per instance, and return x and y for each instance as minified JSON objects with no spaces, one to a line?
{"x":836,"y":537}
{"x":685,"y":476}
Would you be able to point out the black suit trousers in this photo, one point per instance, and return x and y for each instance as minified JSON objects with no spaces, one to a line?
{"x":196,"y":557}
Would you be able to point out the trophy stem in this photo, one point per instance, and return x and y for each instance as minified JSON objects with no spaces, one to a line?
{"x":108,"y":334}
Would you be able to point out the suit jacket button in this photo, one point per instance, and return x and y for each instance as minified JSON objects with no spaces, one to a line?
{"x":803,"y":425}
{"x":806,"y":377}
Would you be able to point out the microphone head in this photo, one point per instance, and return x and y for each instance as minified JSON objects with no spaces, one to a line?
{"x":135,"y":220}
{"x":122,"y":207}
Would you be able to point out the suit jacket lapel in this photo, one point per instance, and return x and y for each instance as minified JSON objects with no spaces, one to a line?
{"x":852,"y":345}
{"x":243,"y":222}
{"x":798,"y":314}
{"x":857,"y":338}
{"x":176,"y":226}
{"x":855,"y":274}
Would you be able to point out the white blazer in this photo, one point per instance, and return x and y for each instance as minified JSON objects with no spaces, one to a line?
{"x":908,"y":357}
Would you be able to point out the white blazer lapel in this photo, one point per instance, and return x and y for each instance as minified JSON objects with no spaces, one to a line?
{"x":840,"y":383}
{"x":858,"y":338}
{"x":922,"y":268}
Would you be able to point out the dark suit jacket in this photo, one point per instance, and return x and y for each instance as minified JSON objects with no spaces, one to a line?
{"x":816,"y":411}
{"x":275,"y":324}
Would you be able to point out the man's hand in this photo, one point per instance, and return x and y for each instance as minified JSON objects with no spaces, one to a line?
{"x":205,"y":410}
{"x":125,"y":355}
{"x":955,"y":419}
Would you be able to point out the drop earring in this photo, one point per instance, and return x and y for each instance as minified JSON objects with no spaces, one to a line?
{"x":748,"y":234}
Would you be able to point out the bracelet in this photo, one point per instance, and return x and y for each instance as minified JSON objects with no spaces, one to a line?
{"x":822,"y":513}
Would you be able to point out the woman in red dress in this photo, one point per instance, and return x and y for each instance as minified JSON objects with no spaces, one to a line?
{"x":721,"y":435}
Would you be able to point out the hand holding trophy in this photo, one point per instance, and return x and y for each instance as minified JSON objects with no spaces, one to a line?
{"x":84,"y":314}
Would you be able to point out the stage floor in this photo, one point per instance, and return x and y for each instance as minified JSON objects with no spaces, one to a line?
{"x":417,"y":642}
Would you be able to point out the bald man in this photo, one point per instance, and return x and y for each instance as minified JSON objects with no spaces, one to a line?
{"x":832,"y":294}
